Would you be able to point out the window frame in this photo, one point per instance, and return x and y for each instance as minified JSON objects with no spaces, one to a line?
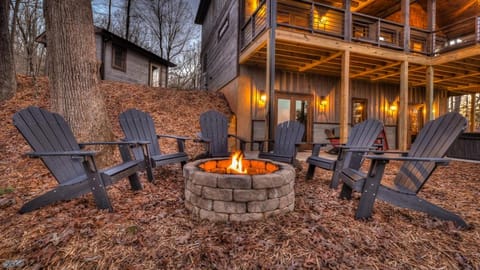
{"x":123,"y":65}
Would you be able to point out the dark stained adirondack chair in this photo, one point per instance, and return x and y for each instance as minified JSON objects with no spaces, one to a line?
{"x":75,"y":170}
{"x":214,"y":133}
{"x":288,"y":136}
{"x":138,"y":126}
{"x":426,"y":153}
{"x":362,"y":137}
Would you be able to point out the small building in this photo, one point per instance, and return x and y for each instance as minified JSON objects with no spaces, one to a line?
{"x":124,"y":61}
{"x":334,"y":63}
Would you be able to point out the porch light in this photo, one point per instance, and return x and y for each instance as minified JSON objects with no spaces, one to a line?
{"x":323,"y":104}
{"x":261,"y":97}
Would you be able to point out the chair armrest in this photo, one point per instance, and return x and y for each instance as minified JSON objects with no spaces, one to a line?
{"x":201,"y":139}
{"x":440,"y":161}
{"x":159,"y":136}
{"x":82,"y":145}
{"x":62,"y":153}
{"x":382,"y":152}
{"x":238,"y":138}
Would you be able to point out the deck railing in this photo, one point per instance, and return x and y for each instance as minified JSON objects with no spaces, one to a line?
{"x":316,"y":18}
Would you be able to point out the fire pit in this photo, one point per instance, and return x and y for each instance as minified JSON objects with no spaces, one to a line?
{"x":217,"y":191}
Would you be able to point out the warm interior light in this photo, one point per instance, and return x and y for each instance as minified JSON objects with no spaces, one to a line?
{"x":393,"y":108}
{"x":236,"y":165}
{"x":323,"y":104}
{"x":262,"y":97}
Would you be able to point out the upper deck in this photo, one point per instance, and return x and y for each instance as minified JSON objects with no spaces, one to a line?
{"x":310,"y":37}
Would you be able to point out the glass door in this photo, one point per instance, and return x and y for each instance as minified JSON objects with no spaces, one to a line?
{"x":295,"y":107}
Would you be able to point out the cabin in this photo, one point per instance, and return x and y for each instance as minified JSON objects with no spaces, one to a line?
{"x":123,"y":61}
{"x":333,"y":63}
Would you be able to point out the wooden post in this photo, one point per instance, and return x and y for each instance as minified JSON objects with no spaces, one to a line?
{"x":472,"y":113}
{"x":344,"y":96}
{"x":406,"y":24}
{"x":270,"y":79}
{"x":403,"y":110}
{"x":429,"y":94}
{"x":347,"y":29}
{"x":431,"y":13}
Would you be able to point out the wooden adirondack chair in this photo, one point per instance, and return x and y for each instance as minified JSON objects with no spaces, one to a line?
{"x":138,"y":126}
{"x":288,"y":136}
{"x":426,"y":153}
{"x":362,"y":137}
{"x":214,"y":133}
{"x":75,"y":170}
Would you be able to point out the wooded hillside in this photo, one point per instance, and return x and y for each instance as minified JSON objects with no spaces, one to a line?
{"x":151,"y":229}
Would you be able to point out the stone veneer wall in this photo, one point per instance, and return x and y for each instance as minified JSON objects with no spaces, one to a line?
{"x":230,"y":197}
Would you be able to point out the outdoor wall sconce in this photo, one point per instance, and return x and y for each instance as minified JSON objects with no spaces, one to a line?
{"x":261,"y":97}
{"x":392,"y":109}
{"x":323,"y":104}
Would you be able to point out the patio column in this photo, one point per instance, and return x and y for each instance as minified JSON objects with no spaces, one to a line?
{"x":472,"y":113}
{"x":270,"y":72}
{"x":431,"y":13}
{"x":405,"y":8}
{"x":344,"y":96}
{"x":403,"y":110}
{"x":429,"y":94}
{"x":347,"y":20}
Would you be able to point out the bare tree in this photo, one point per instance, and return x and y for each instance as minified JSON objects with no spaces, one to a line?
{"x":167,"y":22}
{"x":8,"y":84}
{"x":72,"y":68}
{"x":30,"y":24}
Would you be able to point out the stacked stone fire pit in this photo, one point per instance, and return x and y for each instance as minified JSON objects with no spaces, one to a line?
{"x":213,"y":192}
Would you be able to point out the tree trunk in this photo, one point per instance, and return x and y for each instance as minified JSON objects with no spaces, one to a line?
{"x":8,"y":84}
{"x":72,"y":69}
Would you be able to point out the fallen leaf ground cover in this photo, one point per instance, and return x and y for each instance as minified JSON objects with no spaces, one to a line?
{"x":151,"y":229}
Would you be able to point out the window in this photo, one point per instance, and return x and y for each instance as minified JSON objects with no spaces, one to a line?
{"x":158,"y":76}
{"x":119,"y":57}
{"x":359,"y":110}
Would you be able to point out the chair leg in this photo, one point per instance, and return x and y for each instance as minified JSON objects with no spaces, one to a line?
{"x":370,"y":189}
{"x":99,"y":192}
{"x":411,"y":201}
{"x":310,"y":172}
{"x":60,"y":193}
{"x":135,"y":182}
{"x":346,"y":192}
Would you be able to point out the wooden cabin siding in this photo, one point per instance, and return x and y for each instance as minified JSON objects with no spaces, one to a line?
{"x":137,"y":70}
{"x":380,"y":96}
{"x":220,"y":44}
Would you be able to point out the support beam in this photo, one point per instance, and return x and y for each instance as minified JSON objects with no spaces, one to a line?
{"x":270,"y":77}
{"x":405,"y":8}
{"x":431,"y":18}
{"x":344,"y":97}
{"x":347,"y":31}
{"x":320,"y":61}
{"x":429,"y":94}
{"x":373,"y":70}
{"x":403,"y":110}
{"x":472,"y":112}
{"x":396,"y":73}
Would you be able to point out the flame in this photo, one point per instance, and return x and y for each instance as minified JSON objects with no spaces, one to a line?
{"x":236,"y":163}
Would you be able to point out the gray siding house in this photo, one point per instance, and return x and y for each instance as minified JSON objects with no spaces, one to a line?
{"x":124,"y":61}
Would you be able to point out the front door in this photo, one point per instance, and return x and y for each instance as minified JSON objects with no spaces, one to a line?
{"x":295,"y":107}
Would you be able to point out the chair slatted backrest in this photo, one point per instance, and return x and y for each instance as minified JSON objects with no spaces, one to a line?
{"x":287,"y":135}
{"x":214,"y":126}
{"x":364,"y":135}
{"x":433,"y":141}
{"x":49,"y":132}
{"x":138,"y":126}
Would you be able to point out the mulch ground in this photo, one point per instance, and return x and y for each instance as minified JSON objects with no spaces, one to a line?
{"x":151,"y":229}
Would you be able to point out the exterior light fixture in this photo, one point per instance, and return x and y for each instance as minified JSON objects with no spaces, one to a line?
{"x":261,"y":97}
{"x":323,"y":104}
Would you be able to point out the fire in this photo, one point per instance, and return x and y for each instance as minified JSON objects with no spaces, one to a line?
{"x":236,"y":163}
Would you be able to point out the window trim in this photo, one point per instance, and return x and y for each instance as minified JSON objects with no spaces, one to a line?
{"x":122,"y":67}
